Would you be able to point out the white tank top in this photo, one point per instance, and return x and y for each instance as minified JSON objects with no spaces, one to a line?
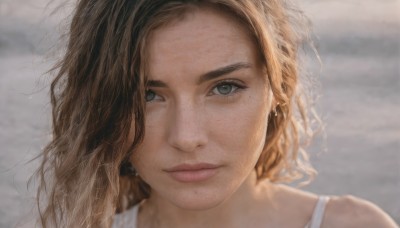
{"x":129,"y":218}
{"x":318,"y":214}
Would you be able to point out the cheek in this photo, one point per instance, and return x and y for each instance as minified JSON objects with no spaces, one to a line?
{"x":241,"y":128}
{"x":143,"y":156}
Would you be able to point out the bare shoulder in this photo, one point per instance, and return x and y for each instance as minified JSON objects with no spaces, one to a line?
{"x":350,"y":211}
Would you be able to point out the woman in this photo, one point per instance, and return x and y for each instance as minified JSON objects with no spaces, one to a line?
{"x":184,"y":114}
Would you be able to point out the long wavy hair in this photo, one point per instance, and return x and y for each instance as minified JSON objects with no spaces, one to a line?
{"x":98,"y":94}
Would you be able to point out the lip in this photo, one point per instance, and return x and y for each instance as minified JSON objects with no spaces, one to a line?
{"x":193,"y":172}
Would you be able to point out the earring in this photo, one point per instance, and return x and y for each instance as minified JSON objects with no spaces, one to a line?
{"x":127,"y":169}
{"x":275,"y":112}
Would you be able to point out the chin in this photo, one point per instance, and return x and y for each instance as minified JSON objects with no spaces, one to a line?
{"x":198,"y":199}
{"x":197,"y":204}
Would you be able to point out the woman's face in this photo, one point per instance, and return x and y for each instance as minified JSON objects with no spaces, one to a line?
{"x":206,"y":112}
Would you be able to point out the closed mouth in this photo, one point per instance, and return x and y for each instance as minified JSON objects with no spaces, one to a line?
{"x":193,"y":172}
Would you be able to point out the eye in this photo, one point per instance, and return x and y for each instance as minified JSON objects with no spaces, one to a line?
{"x":226,"y":88}
{"x":150,"y":95}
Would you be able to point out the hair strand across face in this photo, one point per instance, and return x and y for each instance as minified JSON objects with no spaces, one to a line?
{"x":98,"y":93}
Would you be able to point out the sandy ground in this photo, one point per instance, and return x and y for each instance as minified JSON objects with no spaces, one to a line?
{"x":360,"y":100}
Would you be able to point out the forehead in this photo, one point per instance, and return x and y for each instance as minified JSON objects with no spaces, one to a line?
{"x":204,"y":39}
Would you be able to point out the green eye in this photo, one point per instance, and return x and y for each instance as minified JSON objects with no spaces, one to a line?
{"x":150,"y":95}
{"x":225,"y":89}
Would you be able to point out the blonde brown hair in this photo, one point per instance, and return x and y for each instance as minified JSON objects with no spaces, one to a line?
{"x":98,"y":93}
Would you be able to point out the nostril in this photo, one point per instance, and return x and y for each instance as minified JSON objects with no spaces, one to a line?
{"x":187,"y":137}
{"x":186,"y":143}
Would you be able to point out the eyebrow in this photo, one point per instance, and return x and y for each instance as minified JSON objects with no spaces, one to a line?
{"x":209,"y":75}
{"x":223,"y":71}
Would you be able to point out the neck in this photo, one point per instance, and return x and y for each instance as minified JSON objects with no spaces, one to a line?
{"x":161,"y":213}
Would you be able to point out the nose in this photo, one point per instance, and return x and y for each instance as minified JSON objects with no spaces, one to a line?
{"x":186,"y":129}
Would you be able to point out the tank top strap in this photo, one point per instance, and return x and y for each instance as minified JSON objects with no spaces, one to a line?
{"x":319,"y":211}
{"x":127,"y":218}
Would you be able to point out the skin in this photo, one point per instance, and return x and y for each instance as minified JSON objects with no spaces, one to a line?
{"x":192,"y":118}
{"x":189,"y":121}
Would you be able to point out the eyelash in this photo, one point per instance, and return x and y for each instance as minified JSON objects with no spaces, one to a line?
{"x":146,"y":93}
{"x":230,"y":82}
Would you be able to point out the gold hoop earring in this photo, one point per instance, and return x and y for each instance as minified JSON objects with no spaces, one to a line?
{"x":275,"y":112}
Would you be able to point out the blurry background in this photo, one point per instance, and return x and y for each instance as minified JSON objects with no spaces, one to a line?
{"x":359,"y":44}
